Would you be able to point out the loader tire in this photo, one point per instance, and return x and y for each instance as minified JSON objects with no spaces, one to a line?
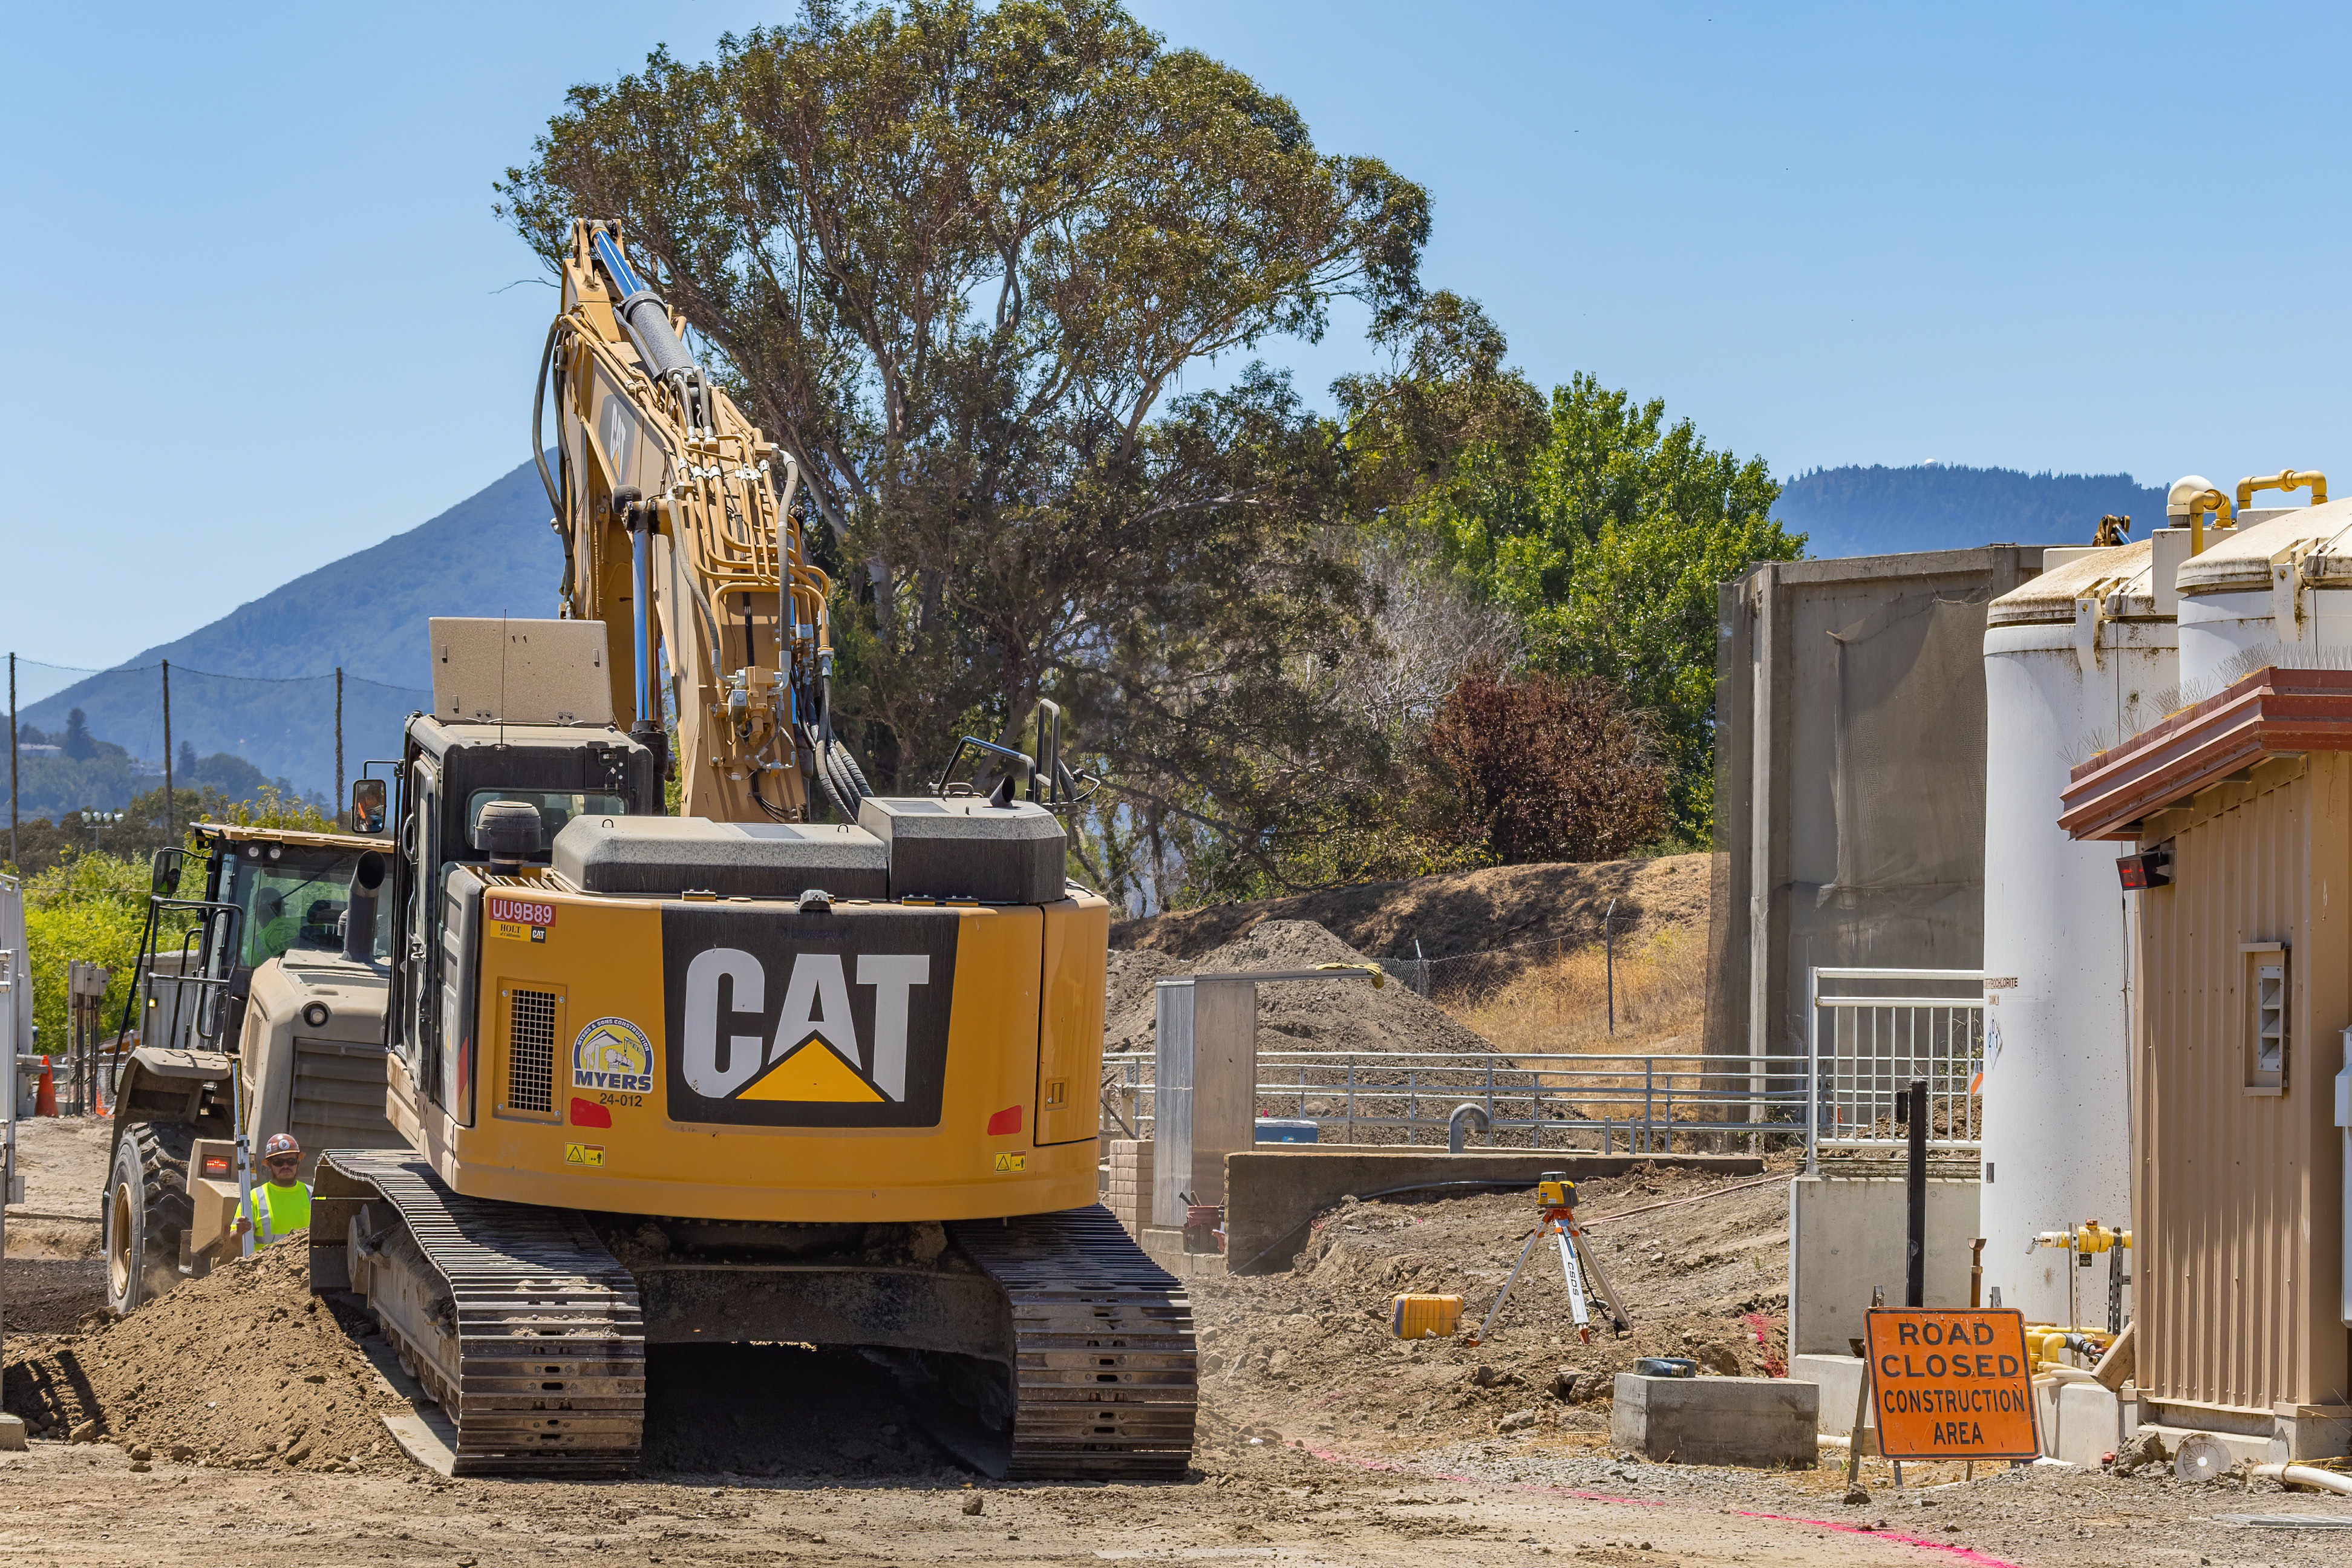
{"x":147,"y":1211}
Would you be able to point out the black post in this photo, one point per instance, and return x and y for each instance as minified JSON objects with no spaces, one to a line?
{"x":1915,"y":1280}
{"x":340,"y":802}
{"x":1609,"y":950}
{"x":168,"y":839}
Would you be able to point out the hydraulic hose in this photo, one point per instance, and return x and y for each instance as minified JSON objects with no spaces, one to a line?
{"x":539,"y":423}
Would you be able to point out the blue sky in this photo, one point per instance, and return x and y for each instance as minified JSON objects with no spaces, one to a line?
{"x":253,"y":276}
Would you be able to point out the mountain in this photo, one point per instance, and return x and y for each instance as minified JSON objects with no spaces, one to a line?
{"x":260,"y":681}
{"x":1880,"y":511}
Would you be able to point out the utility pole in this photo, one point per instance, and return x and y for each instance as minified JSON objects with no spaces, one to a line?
{"x":168,"y":837}
{"x":339,"y":743}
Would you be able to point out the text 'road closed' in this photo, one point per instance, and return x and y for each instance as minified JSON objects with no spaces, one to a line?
{"x":1950,"y":1384}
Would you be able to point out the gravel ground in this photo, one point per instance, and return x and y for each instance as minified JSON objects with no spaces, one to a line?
{"x":1347,"y":1449}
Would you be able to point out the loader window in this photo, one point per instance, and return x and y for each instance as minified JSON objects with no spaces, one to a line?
{"x":556,"y":807}
{"x":293,"y":902}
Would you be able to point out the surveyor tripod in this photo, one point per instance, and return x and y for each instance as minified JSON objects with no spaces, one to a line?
{"x":1588,"y":1282}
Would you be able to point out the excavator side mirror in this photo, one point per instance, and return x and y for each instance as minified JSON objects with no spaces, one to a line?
{"x":367,"y":806}
{"x":163,"y":874}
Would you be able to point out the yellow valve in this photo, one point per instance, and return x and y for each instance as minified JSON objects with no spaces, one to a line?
{"x":2285,"y":479}
{"x":2088,"y":1236}
{"x":2092,"y":1236}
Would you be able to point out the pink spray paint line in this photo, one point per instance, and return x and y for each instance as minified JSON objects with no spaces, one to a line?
{"x":1975,"y":1559}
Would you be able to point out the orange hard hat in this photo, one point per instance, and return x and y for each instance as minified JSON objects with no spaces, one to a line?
{"x":280,"y":1143}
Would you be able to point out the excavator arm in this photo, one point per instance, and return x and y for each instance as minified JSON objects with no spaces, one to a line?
{"x":676,"y":519}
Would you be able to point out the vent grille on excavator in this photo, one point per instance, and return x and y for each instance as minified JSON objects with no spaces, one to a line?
{"x":531,"y":1057}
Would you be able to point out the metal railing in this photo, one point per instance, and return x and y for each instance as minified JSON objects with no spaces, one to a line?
{"x":1865,"y":1045}
{"x":1532,"y":1101}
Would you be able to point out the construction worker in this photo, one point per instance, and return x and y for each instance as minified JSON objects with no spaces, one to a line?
{"x":280,"y":1206}
{"x":279,"y":926}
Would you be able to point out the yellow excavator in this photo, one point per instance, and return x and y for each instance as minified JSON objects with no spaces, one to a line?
{"x":744,"y":1073}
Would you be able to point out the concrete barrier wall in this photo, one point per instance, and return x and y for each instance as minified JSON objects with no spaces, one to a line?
{"x":1847,"y":1234}
{"x":1273,"y":1194}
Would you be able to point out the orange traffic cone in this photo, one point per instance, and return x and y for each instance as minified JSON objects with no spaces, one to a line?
{"x":44,"y":1099}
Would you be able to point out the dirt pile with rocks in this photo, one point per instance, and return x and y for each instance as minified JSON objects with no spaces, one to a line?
{"x":243,"y":1368}
{"x":1310,"y":1351}
{"x":1339,"y":1015}
{"x":1459,"y":912}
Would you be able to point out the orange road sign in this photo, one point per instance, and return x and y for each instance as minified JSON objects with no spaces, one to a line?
{"x":1950,"y":1384}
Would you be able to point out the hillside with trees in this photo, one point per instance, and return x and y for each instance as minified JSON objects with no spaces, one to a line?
{"x":1879,"y":510}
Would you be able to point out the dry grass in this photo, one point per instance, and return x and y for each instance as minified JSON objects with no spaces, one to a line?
{"x":1560,"y":1005}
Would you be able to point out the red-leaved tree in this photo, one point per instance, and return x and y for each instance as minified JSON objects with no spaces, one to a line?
{"x":1541,"y":768}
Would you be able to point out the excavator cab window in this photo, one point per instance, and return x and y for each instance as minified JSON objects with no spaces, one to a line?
{"x":555,"y":807}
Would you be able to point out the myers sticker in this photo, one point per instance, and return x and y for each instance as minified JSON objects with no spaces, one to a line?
{"x":613,"y":1054}
{"x":1011,"y":1164}
{"x":517,"y":919}
{"x":584,"y":1154}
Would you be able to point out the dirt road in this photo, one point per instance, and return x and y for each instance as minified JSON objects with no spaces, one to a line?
{"x":1321,"y":1441}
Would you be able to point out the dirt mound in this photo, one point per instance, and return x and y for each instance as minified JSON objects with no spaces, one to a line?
{"x":1297,"y":1016}
{"x":243,"y":1368}
{"x":1459,"y":912}
{"x":1309,"y":1352}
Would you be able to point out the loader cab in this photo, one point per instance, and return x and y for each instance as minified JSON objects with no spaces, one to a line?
{"x":450,"y":771}
{"x":292,"y":888}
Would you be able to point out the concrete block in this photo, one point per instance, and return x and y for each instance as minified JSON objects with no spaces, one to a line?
{"x":12,"y":1432}
{"x":1848,"y":1233}
{"x":1756,"y":1421}
{"x":1839,"y":1378}
{"x":2089,"y":1425}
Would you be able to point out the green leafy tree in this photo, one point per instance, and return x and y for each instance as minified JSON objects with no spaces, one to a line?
{"x":958,"y":260}
{"x":1607,"y":537}
{"x":93,"y":907}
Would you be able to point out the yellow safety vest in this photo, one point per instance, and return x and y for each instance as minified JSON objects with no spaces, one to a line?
{"x":289,"y":1209}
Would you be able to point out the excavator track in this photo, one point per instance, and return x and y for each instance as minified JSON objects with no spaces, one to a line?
{"x":1105,"y":1377}
{"x":517,"y":1321}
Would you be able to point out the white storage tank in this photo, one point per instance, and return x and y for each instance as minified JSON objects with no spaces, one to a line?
{"x":2280,"y":578}
{"x":2073,"y":659}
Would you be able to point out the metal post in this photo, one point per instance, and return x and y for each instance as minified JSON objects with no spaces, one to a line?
{"x":1914,"y":1279}
{"x":168,"y":839}
{"x":1609,"y":950}
{"x":1649,"y":1082}
{"x":340,"y":802}
{"x":1813,"y":1072}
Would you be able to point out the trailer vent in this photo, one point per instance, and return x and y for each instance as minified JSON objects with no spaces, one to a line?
{"x":531,"y":1050}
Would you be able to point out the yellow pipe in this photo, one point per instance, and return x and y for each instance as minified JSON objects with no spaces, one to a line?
{"x":2285,"y":479}
{"x":2212,"y":502}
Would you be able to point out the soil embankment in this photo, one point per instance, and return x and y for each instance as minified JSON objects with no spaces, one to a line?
{"x":1459,"y":912}
{"x":1343,"y":1014}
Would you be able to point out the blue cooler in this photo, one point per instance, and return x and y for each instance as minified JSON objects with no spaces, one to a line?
{"x":1276,"y":1130}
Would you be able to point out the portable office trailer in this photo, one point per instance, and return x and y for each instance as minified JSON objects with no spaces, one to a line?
{"x":2241,"y":805}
